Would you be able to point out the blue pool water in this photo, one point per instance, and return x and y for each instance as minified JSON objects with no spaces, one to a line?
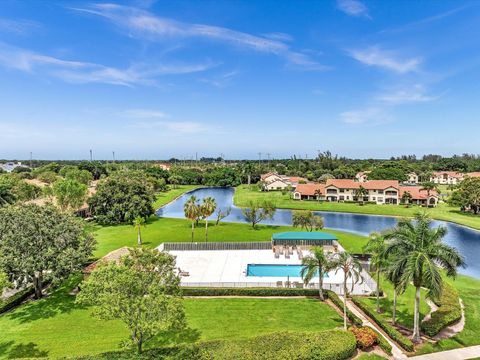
{"x":276,"y":270}
{"x":465,"y":239}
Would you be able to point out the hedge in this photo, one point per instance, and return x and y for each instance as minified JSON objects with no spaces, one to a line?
{"x":188,"y":291}
{"x":325,"y":345}
{"x":383,"y":343}
{"x":449,"y":312}
{"x":394,"y":334}
{"x":354,"y":319}
{"x":16,"y":299}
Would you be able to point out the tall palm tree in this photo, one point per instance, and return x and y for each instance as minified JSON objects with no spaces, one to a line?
{"x":315,"y":263}
{"x":420,"y":255}
{"x":394,"y":275}
{"x":376,"y":248}
{"x":138,"y":223}
{"x":351,"y":269}
{"x":208,"y":208}
{"x":429,"y":186}
{"x":360,"y":193}
{"x":406,"y":198}
{"x":192,"y":211}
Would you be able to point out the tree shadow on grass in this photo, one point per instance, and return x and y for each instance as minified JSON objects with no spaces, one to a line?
{"x":169,"y":338}
{"x":23,"y":350}
{"x":58,"y":302}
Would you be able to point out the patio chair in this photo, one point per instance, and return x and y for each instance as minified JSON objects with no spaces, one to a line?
{"x":279,"y":284}
{"x":288,"y":284}
{"x":287,"y":255}
{"x":299,"y":286}
{"x":277,"y":254}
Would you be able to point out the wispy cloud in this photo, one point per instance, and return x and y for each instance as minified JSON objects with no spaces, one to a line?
{"x":19,"y":27}
{"x":222,"y":80}
{"x":353,"y":8}
{"x":147,"y":25}
{"x":375,"y":56}
{"x":143,"y":114}
{"x":86,"y":72}
{"x":367,"y":116}
{"x":415,"y":94}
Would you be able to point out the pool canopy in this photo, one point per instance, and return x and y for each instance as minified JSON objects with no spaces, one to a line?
{"x":303,"y":238}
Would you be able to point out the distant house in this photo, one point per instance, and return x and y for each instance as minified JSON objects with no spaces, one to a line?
{"x":310,"y":191}
{"x":272,"y":181}
{"x":419,"y":196}
{"x":164,"y":166}
{"x":362,"y":176}
{"x":412,"y":179}
{"x":9,"y":166}
{"x":377,"y":191}
{"x":447,"y":177}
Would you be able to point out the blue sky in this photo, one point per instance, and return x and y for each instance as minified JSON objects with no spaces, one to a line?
{"x":156,"y":79}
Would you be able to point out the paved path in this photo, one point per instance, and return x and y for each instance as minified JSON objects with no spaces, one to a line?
{"x":397,"y":353}
{"x":457,"y":354}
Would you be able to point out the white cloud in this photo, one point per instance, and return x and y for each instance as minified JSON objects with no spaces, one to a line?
{"x":143,"y":114}
{"x":86,"y":72}
{"x":415,"y":94}
{"x":368,"y":116}
{"x":185,"y":127}
{"x":147,"y":25}
{"x":18,"y":27}
{"x":222,"y":80}
{"x":374,"y":56}
{"x":353,"y":8}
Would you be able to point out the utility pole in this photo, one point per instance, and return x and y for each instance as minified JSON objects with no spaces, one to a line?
{"x":31,"y":159}
{"x":259,"y":158}
{"x":196,"y":157}
{"x":268,"y":156}
{"x":113,"y":155}
{"x":91,"y":155}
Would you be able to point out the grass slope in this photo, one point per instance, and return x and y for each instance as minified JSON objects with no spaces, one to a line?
{"x":243,"y":194}
{"x":55,"y":326}
{"x":160,"y":230}
{"x":164,"y":198}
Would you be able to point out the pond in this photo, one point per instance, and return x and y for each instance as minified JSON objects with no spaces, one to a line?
{"x":465,"y":239}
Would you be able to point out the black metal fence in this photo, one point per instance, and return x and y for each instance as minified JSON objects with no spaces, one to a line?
{"x":264,"y":245}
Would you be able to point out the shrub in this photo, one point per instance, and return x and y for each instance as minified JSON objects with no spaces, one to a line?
{"x":16,"y":299}
{"x":354,"y":319}
{"x":383,"y":343}
{"x":188,"y":291}
{"x":325,"y":345}
{"x":365,"y":337}
{"x":395,"y":335}
{"x":448,"y":312}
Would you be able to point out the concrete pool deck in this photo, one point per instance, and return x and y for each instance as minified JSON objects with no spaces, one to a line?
{"x":227,"y":268}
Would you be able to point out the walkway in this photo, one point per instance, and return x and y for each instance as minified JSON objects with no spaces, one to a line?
{"x":457,"y":354}
{"x":397,"y":353}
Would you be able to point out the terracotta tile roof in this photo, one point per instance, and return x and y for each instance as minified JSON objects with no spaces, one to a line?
{"x":296,"y":179}
{"x":309,"y":189}
{"x":264,"y":176}
{"x":474,"y":174}
{"x":417,"y":192}
{"x":453,"y":174}
{"x":369,"y":185}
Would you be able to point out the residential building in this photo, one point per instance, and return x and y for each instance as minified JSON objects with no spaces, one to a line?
{"x":377,"y":191}
{"x":310,"y":191}
{"x":419,"y":196}
{"x":362,"y":176}
{"x":164,"y":166}
{"x":412,"y":179}
{"x":447,"y":177}
{"x":272,"y":181}
{"x":9,"y":166}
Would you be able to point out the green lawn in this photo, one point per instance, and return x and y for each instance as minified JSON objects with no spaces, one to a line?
{"x":243,"y":194}
{"x":165,"y":197}
{"x":159,"y":230}
{"x":405,"y":303}
{"x":370,"y":357}
{"x":55,"y":326}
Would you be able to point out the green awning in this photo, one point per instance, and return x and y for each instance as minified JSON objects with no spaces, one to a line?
{"x":303,"y":235}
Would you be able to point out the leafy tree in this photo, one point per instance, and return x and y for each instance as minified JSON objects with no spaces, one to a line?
{"x":222,"y":214}
{"x":70,"y":194}
{"x":390,"y":172}
{"x":6,"y":194}
{"x":81,"y":176}
{"x":142,"y":291}
{"x":4,"y":283}
{"x":224,"y":176}
{"x":419,"y":253}
{"x":406,"y":198}
{"x":376,"y":248}
{"x":96,"y":168}
{"x":307,"y":219}
{"x":467,"y":195}
{"x":351,"y":269}
{"x":138,"y":223}
{"x":316,"y":263}
{"x":121,"y":199}
{"x":258,"y":211}
{"x":192,"y":211}
{"x":175,"y":180}
{"x":48,"y":177}
{"x":207,"y":209}
{"x":40,"y":243}
{"x":429,"y":186}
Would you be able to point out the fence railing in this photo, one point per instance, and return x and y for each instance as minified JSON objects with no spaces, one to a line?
{"x":260,"y":245}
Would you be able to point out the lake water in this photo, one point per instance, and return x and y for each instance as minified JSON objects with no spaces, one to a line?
{"x":465,"y":239}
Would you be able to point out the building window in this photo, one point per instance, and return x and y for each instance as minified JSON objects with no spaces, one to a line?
{"x":380,"y":191}
{"x":342,"y":197}
{"x":342,"y":190}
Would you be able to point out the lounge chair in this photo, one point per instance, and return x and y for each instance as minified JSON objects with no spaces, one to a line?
{"x":288,"y":284}
{"x":287,"y":255}
{"x":279,"y":284}
{"x":299,"y":286}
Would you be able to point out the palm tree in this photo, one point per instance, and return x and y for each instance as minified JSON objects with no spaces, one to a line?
{"x":376,"y":247}
{"x":360,"y":193}
{"x":208,"y":208}
{"x":318,"y":194}
{"x":394,"y":274}
{"x":138,"y":223}
{"x":406,"y":198}
{"x":351,"y":269}
{"x":429,"y":186}
{"x":419,"y":256}
{"x":192,"y":210}
{"x":316,"y":262}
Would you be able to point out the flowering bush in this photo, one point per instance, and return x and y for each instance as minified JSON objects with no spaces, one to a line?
{"x":365,"y":337}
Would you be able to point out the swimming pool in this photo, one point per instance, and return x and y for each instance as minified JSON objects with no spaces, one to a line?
{"x":275,"y":270}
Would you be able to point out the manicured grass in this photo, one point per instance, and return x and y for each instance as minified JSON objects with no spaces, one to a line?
{"x":165,"y":197}
{"x":372,"y":356}
{"x":405,"y":304}
{"x":243,"y":194}
{"x":468,"y":289}
{"x":159,"y":230}
{"x":55,"y":326}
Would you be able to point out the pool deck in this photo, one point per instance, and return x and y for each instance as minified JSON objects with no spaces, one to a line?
{"x":227,"y":268}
